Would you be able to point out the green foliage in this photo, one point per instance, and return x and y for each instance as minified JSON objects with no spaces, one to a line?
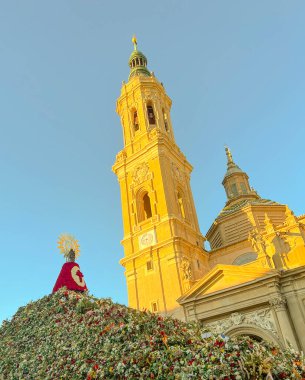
{"x":75,"y":336}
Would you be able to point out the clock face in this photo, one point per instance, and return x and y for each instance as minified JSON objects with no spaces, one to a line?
{"x":147,"y":238}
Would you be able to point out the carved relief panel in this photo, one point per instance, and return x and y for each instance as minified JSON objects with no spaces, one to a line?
{"x":260,"y":318}
{"x":177,"y":173}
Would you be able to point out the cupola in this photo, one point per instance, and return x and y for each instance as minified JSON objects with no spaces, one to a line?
{"x":137,"y":62}
{"x":236,"y":181}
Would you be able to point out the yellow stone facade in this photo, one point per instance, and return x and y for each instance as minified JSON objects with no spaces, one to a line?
{"x":162,"y":239}
{"x":252,"y":281}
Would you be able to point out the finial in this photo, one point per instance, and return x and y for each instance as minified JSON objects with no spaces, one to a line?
{"x":268,"y":224}
{"x":267,"y":219}
{"x":135,"y":42}
{"x":229,"y":155}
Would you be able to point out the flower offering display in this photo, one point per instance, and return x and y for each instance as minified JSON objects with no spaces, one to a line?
{"x":70,"y":275}
{"x":75,"y":336}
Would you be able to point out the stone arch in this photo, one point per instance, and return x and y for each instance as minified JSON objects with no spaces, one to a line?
{"x":135,"y":119}
{"x":245,"y":258}
{"x":165,"y":120}
{"x":254,"y":331}
{"x":144,"y":208}
{"x":181,"y":203}
{"x":150,"y":112}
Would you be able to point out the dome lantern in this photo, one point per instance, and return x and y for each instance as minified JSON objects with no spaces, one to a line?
{"x":137,"y":61}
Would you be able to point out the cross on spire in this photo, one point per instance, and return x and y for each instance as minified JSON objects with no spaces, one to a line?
{"x":135,"y":42}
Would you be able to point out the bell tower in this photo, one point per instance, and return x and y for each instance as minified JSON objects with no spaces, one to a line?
{"x":163,"y":247}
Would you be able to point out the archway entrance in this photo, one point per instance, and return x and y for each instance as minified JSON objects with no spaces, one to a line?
{"x":254,"y":332}
{"x":253,"y":337}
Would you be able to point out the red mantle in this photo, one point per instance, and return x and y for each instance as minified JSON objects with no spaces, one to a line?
{"x":71,"y":277}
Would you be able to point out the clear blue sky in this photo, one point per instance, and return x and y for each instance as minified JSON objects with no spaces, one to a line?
{"x":234,"y":70}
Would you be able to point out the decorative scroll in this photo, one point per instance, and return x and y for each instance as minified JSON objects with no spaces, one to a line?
{"x":140,"y":173}
{"x":278,"y":302}
{"x":155,"y":132}
{"x":121,"y":156}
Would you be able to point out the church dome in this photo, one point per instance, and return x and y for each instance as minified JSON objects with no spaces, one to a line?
{"x":233,"y":169}
{"x":136,"y":54}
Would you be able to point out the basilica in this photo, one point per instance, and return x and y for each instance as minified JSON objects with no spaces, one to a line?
{"x":251,"y":282}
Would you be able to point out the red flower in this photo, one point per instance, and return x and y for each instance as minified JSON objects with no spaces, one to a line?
{"x":219,"y":343}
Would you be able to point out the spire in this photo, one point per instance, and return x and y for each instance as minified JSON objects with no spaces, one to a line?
{"x":231,"y":166}
{"x":236,"y":181}
{"x":137,"y":61}
{"x":229,"y":155}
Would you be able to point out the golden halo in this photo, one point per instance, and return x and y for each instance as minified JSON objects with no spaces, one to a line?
{"x":67,"y":242}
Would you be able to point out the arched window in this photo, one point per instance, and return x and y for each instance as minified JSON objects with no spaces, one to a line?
{"x":243,"y":188}
{"x":165,"y":120}
{"x":245,"y":258}
{"x":147,"y":206}
{"x":151,"y":115}
{"x":181,"y":205}
{"x":144,"y":207}
{"x":135,"y":121}
{"x":234,"y":190}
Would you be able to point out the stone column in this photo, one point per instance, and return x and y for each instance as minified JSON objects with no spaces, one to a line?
{"x":278,"y":304}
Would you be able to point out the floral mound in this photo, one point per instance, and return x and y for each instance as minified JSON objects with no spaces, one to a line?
{"x":74,"y":336}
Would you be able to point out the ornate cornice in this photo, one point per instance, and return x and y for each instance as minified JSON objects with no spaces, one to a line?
{"x":278,"y":302}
